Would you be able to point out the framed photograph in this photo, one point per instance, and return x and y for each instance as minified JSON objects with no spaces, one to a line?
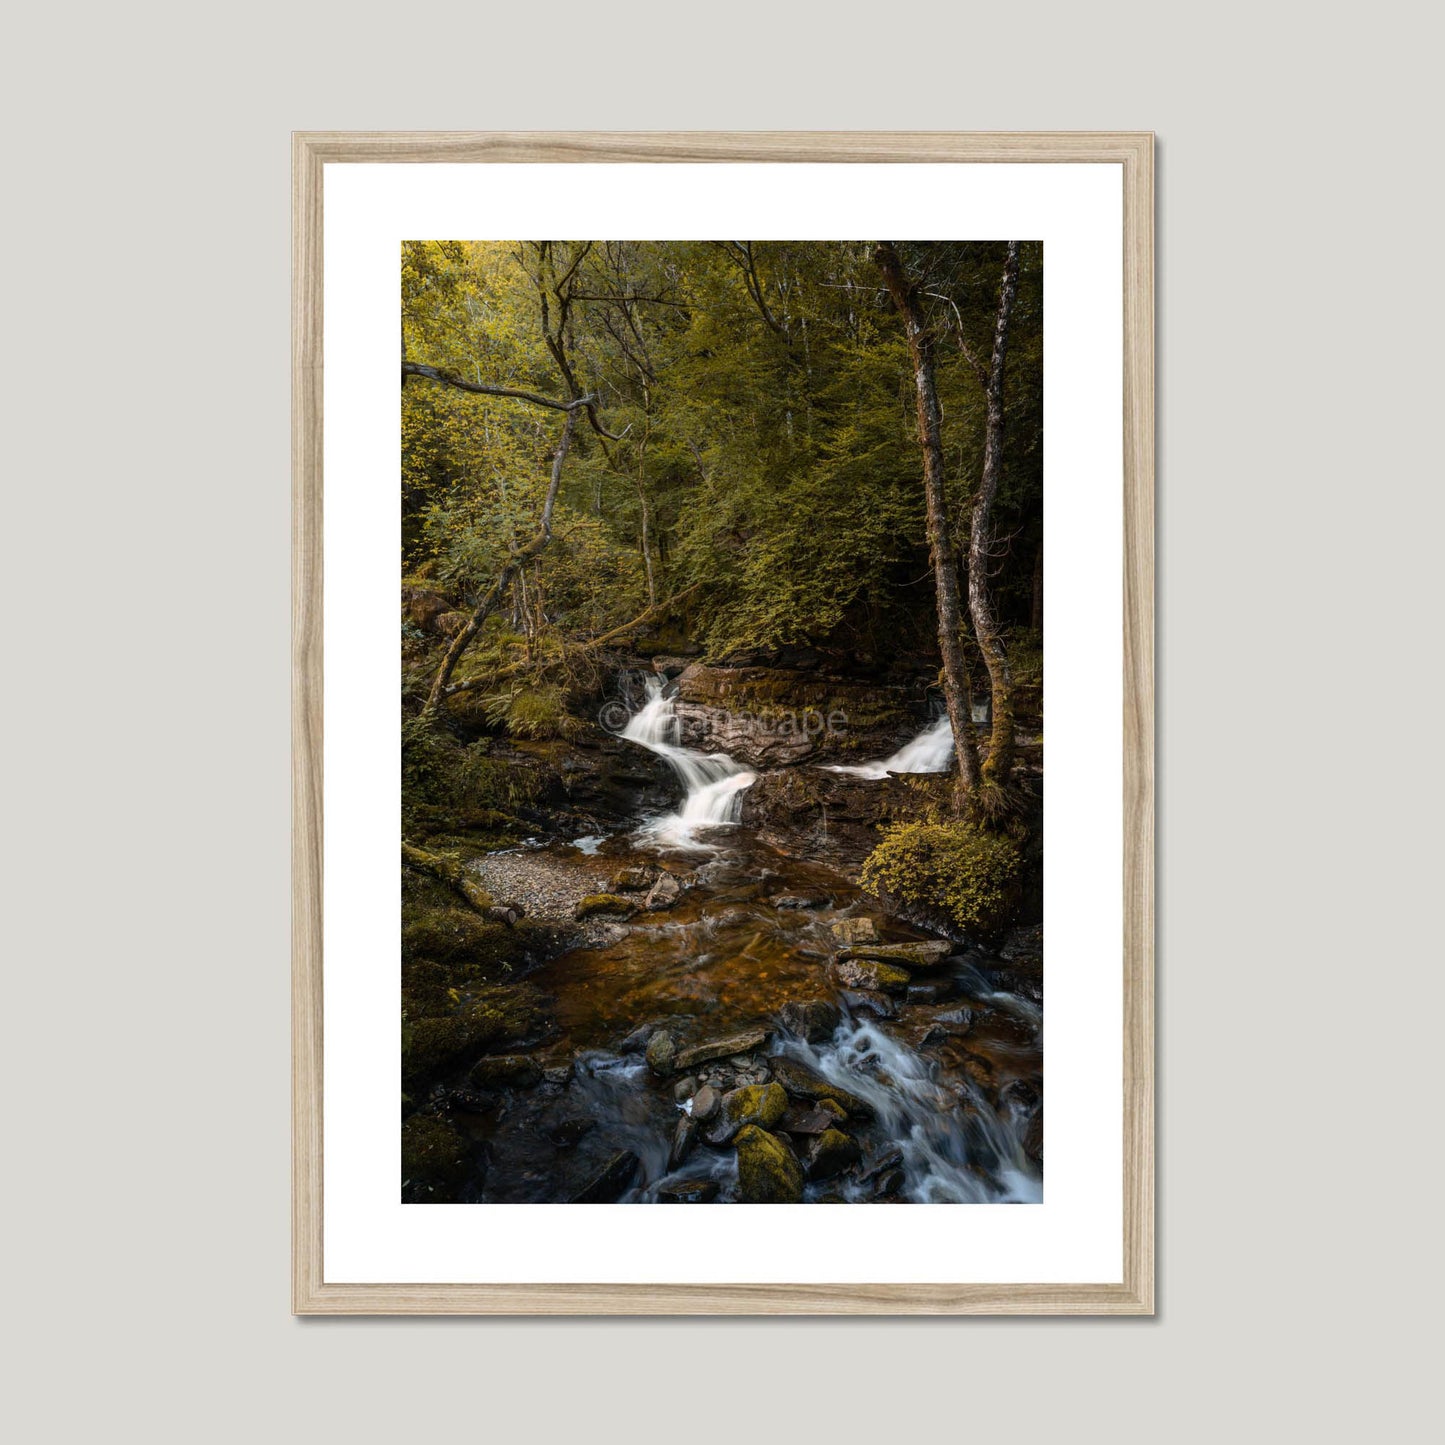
{"x":677,"y":610}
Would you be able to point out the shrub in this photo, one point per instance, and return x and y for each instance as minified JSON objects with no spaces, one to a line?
{"x":970,"y":875}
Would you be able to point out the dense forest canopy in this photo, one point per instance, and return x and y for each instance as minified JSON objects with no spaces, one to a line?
{"x":745,"y":470}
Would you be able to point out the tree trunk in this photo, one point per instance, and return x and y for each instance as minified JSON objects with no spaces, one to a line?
{"x":940,"y":546}
{"x":484,"y":607}
{"x":999,"y":763}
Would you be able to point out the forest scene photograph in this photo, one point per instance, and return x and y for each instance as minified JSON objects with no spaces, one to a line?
{"x":722,"y":847}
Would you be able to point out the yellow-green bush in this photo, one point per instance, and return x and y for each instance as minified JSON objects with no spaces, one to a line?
{"x":970,"y":875}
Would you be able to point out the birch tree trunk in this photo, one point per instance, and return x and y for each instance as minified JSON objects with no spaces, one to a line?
{"x":998,"y":764}
{"x":940,"y":545}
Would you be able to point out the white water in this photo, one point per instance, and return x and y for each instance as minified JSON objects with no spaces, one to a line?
{"x":929,"y":752}
{"x":714,"y":782}
{"x":954,"y":1151}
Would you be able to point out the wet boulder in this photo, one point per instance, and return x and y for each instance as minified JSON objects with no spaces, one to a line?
{"x":506,"y":1071}
{"x":631,"y":880}
{"x":613,"y":1181}
{"x":611,"y":905}
{"x":661,"y":1052}
{"x":866,"y":973}
{"x":762,"y":1104}
{"x":689,"y":1059}
{"x":813,"y":1019}
{"x":831,"y":1153}
{"x":927,"y":954}
{"x":768,"y":1171}
{"x":683,"y":1138}
{"x":663,"y":894}
{"x":804,"y":1082}
{"x":812,"y":1119}
{"x":869,"y":1001}
{"x":688,"y":1191}
{"x":854,"y":930}
{"x":705,"y":1103}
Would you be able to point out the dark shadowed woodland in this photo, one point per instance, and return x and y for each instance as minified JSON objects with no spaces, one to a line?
{"x":722,"y":721}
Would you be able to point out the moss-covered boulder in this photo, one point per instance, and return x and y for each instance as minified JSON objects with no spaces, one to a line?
{"x":688,"y":1191}
{"x":435,"y":1161}
{"x":803,"y":1082}
{"x":661,"y":1053}
{"x":813,"y":1019}
{"x":762,"y":1104}
{"x":768,"y":1171}
{"x":926,"y":954}
{"x":866,"y":973}
{"x":611,"y":904}
{"x":506,"y":1071}
{"x":967,"y":875}
{"x":482,"y":1021}
{"x":831,"y":1153}
{"x":733,"y":1045}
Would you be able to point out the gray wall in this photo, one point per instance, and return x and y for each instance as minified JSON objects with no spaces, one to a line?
{"x":149,"y":260}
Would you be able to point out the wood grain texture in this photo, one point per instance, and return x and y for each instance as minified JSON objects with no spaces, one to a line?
{"x":1134,"y":152}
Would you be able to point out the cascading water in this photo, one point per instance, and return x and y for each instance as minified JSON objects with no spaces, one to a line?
{"x":714,"y":783}
{"x":929,"y":752}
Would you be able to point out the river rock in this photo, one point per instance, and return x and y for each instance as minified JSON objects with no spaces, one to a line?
{"x":689,"y":1059}
{"x":683,"y":1138}
{"x":816,"y":1118}
{"x":661,"y":1052}
{"x":631,"y":880}
{"x":934,"y":991}
{"x":664,"y":893}
{"x":866,"y":973}
{"x":612,"y":1182}
{"x":606,"y":904}
{"x":566,"y":1131}
{"x":506,"y":1071}
{"x":813,"y":1019}
{"x":768,"y":1171}
{"x":797,"y":900}
{"x":705,"y":1103}
{"x":684,"y":1089}
{"x":762,"y":1104}
{"x":903,"y":955}
{"x":688,"y":1191}
{"x":803,"y":1082}
{"x":854,"y":930}
{"x":831,"y":1153}
{"x":869,"y":1001}
{"x":558,"y":1077}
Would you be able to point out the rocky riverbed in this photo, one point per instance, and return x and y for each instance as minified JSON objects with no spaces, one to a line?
{"x":731,"y":1024}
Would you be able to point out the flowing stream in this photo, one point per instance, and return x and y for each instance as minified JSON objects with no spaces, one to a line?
{"x":950,"y":1072}
{"x":714,"y":783}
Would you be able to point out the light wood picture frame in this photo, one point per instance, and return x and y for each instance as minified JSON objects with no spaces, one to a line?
{"x":312,"y":1293}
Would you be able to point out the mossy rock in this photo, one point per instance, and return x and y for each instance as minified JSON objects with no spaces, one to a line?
{"x":970,"y":875}
{"x":803,"y":1082}
{"x":435,"y":1161}
{"x":432,"y":1046}
{"x":768,"y":1171}
{"x":604,"y":903}
{"x":761,"y":1104}
{"x":832,"y":1152}
{"x":866,"y":973}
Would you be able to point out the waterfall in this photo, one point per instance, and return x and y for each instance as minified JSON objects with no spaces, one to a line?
{"x":714,"y":783}
{"x":929,"y":752}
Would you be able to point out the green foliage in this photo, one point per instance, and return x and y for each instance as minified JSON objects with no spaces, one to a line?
{"x":533,"y":712}
{"x":767,"y":450}
{"x":451,"y":785}
{"x":970,"y":874}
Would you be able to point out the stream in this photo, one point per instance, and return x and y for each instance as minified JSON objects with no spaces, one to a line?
{"x":940,"y":1077}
